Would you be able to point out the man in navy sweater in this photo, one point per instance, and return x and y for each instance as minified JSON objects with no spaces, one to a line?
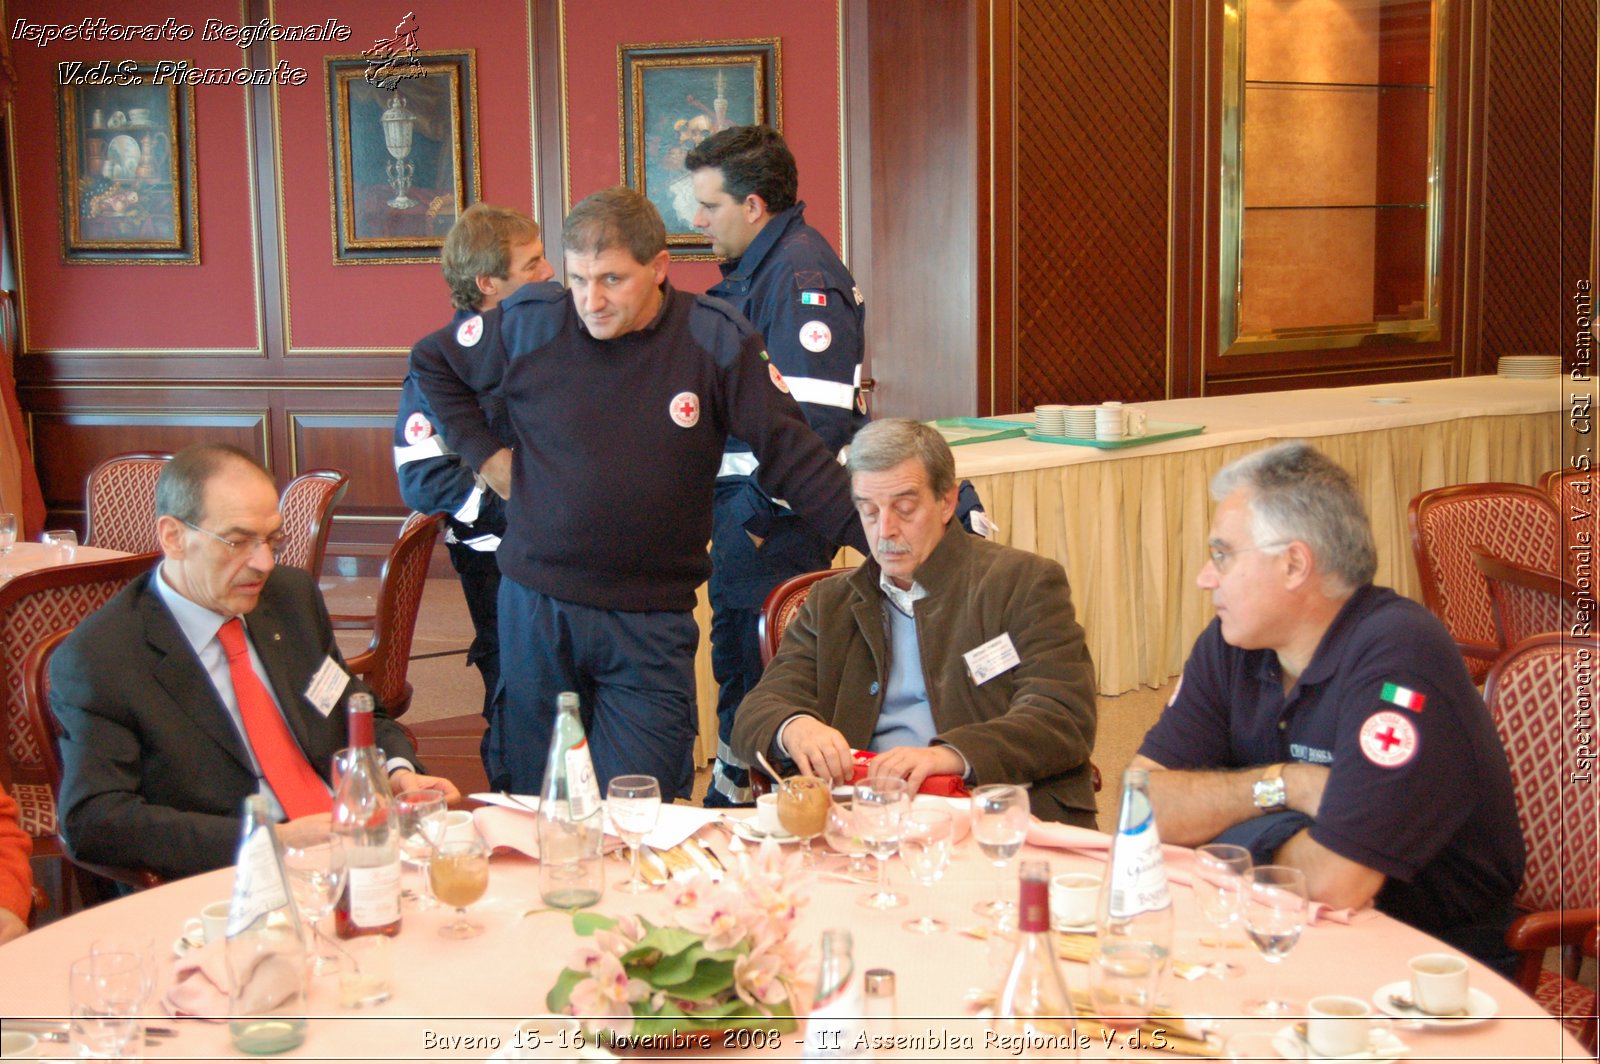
{"x":621,"y":393}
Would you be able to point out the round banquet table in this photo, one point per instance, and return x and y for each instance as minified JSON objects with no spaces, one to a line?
{"x":26,"y":557}
{"x":485,"y":987}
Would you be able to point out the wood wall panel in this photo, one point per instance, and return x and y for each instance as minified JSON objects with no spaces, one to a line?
{"x":360,"y":444}
{"x":1091,"y":133}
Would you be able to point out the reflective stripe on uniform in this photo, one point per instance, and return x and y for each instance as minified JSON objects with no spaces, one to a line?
{"x":468,"y":513}
{"x":738,"y":464}
{"x":486,"y":542}
{"x":432,"y":447}
{"x":819,"y":392}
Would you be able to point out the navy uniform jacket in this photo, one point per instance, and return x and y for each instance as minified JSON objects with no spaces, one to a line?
{"x":619,"y":441}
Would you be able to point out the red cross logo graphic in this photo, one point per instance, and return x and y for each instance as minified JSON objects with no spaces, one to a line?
{"x":685,"y":410}
{"x":417,"y":427}
{"x":470,"y":329}
{"x":469,"y":332}
{"x":816,"y":335}
{"x":1388,"y":739}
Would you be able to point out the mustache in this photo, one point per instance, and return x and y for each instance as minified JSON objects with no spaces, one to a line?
{"x":891,"y":546}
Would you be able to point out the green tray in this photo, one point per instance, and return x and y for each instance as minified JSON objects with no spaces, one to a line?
{"x":1154,"y":432}
{"x":959,"y":431}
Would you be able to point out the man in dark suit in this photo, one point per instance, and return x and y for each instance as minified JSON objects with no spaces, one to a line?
{"x":165,"y":731}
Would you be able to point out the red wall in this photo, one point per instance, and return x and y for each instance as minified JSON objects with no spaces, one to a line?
{"x":808,"y":80}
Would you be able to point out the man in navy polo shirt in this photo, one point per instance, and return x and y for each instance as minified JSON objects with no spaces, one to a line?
{"x":1330,"y":724}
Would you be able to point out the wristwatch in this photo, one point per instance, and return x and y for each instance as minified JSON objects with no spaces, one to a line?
{"x":1270,"y":793}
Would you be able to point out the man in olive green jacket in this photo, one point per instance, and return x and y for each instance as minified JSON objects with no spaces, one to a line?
{"x":943,"y":653}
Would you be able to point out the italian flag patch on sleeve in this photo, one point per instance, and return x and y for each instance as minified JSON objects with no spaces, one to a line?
{"x":1404,"y":697}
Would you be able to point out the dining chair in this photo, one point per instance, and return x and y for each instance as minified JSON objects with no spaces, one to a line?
{"x":1513,"y":521}
{"x":41,"y":720}
{"x":383,"y":665}
{"x":1531,"y":692}
{"x":1524,"y":601}
{"x":33,"y":606}
{"x":119,"y":502}
{"x":1577,"y":496}
{"x":307,"y":507}
{"x":780,"y":607}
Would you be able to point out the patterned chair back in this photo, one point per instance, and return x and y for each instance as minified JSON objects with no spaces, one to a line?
{"x":383,"y":665}
{"x":1512,"y":521}
{"x":119,"y":502}
{"x":307,"y":508}
{"x":780,"y":607}
{"x":1577,"y":496}
{"x":1532,"y":693}
{"x":33,"y":606}
{"x":1524,"y":601}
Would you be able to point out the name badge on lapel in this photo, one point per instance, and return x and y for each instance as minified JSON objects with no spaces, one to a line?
{"x":327,"y":685}
{"x":986,"y":662}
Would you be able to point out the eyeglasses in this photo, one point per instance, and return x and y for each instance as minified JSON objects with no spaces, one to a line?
{"x":247,"y":546}
{"x":1221,"y":558}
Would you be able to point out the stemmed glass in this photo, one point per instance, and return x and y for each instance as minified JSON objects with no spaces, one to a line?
{"x":105,"y":991}
{"x":1219,"y":886}
{"x":634,"y":803}
{"x":8,"y":533}
{"x":135,"y":955}
{"x":925,"y":851}
{"x":315,"y":860}
{"x":1274,"y":914}
{"x":803,"y":810}
{"x":422,"y":816}
{"x":1000,"y":824}
{"x":459,"y":873}
{"x":880,"y":808}
{"x":840,"y":832}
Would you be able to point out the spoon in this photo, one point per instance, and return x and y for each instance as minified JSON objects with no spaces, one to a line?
{"x":766,"y":766}
{"x":1401,"y":1000}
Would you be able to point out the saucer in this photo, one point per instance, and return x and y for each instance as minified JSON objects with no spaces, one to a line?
{"x":1480,"y":1006}
{"x":747,"y":829}
{"x":1291,"y":1046}
{"x":183,"y":944}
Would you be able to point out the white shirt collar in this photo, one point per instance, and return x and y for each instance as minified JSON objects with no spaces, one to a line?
{"x":899,"y":598}
{"x":198,"y":624}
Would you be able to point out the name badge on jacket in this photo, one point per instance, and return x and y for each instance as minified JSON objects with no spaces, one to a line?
{"x":986,"y":662}
{"x":327,"y":685}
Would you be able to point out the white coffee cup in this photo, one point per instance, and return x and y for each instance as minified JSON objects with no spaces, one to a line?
{"x":1134,"y":422}
{"x":1073,"y":897}
{"x":210,"y":925}
{"x":18,"y":1045}
{"x":1438,"y":983}
{"x":767,"y":815}
{"x":1338,"y":1026}
{"x":458,"y":826}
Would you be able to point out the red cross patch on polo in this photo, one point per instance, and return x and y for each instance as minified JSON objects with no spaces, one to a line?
{"x":777,"y":378}
{"x":685,"y":410}
{"x":815,"y":336}
{"x":418,"y":428}
{"x":1388,"y":739}
{"x":469,"y":332}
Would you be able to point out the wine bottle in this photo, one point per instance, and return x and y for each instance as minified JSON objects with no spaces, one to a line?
{"x":571,"y":820}
{"x":1035,"y":1004}
{"x":265,"y":951}
{"x":363,"y":814}
{"x":1135,"y":918}
{"x":834,"y":1029}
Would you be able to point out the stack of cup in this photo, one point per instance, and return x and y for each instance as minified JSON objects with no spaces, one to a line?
{"x":1108,"y":421}
{"x":1051,"y":419}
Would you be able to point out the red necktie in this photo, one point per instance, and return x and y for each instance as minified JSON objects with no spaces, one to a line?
{"x":300,"y":790}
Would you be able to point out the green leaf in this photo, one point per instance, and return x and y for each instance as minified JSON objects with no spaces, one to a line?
{"x":709,"y":978}
{"x":669,"y":940}
{"x":587,"y":923}
{"x":560,"y":994}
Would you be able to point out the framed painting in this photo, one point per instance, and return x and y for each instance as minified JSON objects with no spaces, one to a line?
{"x":404,"y":155}
{"x":673,"y":96}
{"x":127,"y":168}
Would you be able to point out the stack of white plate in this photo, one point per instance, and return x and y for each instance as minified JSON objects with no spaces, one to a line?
{"x":1080,"y":422}
{"x":1050,"y":419}
{"x":1530,"y":367}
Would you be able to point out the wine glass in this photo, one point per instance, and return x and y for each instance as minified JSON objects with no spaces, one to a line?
{"x":925,"y":851}
{"x":8,"y":533}
{"x":840,"y":832}
{"x":314,"y":858}
{"x":459,"y":873}
{"x":803,"y":810}
{"x":133,"y":959}
{"x":1274,"y":914}
{"x":880,"y":808}
{"x":421,"y":816}
{"x":1219,"y":884}
{"x":103,"y":992}
{"x":633,"y":803}
{"x":1000,"y":824}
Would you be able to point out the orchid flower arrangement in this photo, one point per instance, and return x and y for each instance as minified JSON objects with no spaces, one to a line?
{"x":723,"y":959}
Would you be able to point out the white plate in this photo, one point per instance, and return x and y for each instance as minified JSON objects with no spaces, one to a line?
{"x":746,"y":829}
{"x":1291,"y":1046}
{"x":1480,"y":1007}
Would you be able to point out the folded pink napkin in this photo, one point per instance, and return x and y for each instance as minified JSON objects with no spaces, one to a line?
{"x":1179,"y":860}
{"x":199,"y":984}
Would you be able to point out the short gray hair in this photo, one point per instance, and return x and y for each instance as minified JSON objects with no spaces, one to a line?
{"x":885,"y":444}
{"x":181,"y":488}
{"x":1298,"y":493}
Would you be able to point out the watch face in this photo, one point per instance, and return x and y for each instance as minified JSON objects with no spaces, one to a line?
{"x":1269,"y":794}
